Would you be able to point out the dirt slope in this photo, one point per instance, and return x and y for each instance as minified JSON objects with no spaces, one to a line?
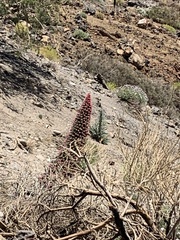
{"x":34,"y":118}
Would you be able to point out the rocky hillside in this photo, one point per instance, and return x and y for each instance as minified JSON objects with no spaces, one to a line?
{"x":128,"y":62}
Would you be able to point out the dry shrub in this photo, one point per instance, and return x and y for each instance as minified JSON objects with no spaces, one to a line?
{"x":100,"y":202}
{"x":120,"y":73}
{"x":152,"y":177}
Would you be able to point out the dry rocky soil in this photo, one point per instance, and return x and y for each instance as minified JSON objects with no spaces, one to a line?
{"x":39,"y":98}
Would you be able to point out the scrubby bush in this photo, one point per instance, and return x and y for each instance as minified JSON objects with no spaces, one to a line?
{"x":166,"y":15}
{"x":120,"y":73}
{"x":169,"y":28}
{"x":35,"y":12}
{"x":132,"y":94}
{"x":111,"y":85}
{"x":49,"y":52}
{"x":22,"y":29}
{"x":99,"y":15}
{"x":80,"y":34}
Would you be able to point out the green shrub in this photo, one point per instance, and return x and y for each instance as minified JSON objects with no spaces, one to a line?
{"x":121,"y":73}
{"x":49,"y":52}
{"x":111,"y":85}
{"x":83,"y":15}
{"x":80,"y":34}
{"x":22,"y":29}
{"x":176,"y":85}
{"x":169,"y":28}
{"x":3,"y":9}
{"x":99,"y":15}
{"x":166,"y":15}
{"x":132,"y":94}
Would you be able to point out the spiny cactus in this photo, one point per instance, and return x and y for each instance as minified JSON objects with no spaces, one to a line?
{"x":66,"y":162}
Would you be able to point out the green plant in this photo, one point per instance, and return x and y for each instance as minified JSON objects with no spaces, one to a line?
{"x":169,"y":28}
{"x":132,"y":94}
{"x":67,"y":162}
{"x":80,"y":34}
{"x":83,"y":15}
{"x":99,"y":15}
{"x":22,"y":29}
{"x":111,"y":85}
{"x":98,"y":130}
{"x":166,"y":15}
{"x":176,"y":85}
{"x":3,"y":9}
{"x":43,"y":16}
{"x":49,"y":52}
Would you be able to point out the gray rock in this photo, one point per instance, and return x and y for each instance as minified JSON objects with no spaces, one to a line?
{"x":137,"y":60}
{"x":155,"y":110}
{"x":144,"y":23}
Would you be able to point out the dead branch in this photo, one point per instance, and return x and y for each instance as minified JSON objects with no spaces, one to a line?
{"x":173,"y":228}
{"x":98,"y":182}
{"x":118,"y":220}
{"x":74,"y":235}
{"x":139,"y":210}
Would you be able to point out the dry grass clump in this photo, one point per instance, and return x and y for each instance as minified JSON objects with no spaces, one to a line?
{"x":152,"y":179}
{"x":99,"y":203}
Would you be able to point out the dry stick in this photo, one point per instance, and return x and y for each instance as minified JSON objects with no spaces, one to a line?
{"x":173,"y":228}
{"x":78,"y":234}
{"x":138,"y":210}
{"x":6,"y":234}
{"x":113,"y":207}
{"x":98,"y":182}
{"x":59,"y":209}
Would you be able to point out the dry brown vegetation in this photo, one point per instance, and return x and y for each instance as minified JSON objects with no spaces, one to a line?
{"x":141,"y":200}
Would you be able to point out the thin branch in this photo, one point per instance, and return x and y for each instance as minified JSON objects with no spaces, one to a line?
{"x":118,"y":220}
{"x":99,"y":183}
{"x":85,"y":232}
{"x":139,"y":210}
{"x":173,"y":228}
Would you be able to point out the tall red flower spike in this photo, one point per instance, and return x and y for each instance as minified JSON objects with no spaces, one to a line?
{"x":67,"y":161}
{"x":80,"y":127}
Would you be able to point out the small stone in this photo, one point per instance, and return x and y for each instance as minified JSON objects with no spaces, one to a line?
{"x":22,"y":143}
{"x":155,"y":110}
{"x":45,"y":38}
{"x":66,"y":29}
{"x":120,"y":52}
{"x":137,"y":60}
{"x":56,"y":133}
{"x":143,"y":23}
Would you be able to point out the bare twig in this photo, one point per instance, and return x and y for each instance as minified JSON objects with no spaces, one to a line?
{"x":99,"y":183}
{"x":173,"y":228}
{"x":78,"y":234}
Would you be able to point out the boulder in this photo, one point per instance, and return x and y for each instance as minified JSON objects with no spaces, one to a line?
{"x":137,"y":60}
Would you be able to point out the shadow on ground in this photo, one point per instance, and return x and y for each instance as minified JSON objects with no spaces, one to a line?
{"x":17,"y":74}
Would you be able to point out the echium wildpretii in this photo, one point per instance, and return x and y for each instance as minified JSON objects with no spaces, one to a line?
{"x":67,"y":161}
{"x":80,"y":127}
